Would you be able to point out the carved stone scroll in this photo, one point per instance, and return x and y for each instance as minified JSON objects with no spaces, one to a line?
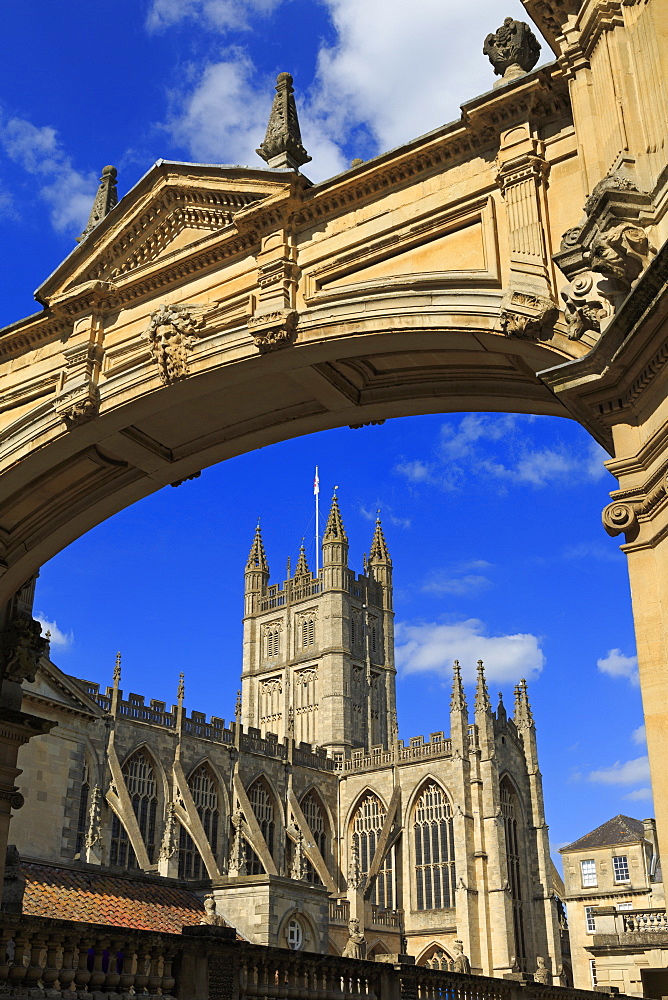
{"x":620,"y":517}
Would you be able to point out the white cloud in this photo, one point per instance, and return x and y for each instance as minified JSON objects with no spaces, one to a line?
{"x":415,"y":471}
{"x":615,"y":664}
{"x":68,"y":192}
{"x":463,"y":580}
{"x":639,"y":736}
{"x":386,"y":514}
{"x":639,"y":794}
{"x":222,"y":15}
{"x":62,"y":640}
{"x":630,"y":772}
{"x":430,"y":647}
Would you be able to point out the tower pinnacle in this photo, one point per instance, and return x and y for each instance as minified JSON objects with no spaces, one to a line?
{"x":482,"y":702}
{"x":105,"y":199}
{"x":282,"y":146}
{"x":458,"y":698}
{"x":257,"y":558}
{"x":301,"y":569}
{"x":522,"y":716}
{"x":379,"y":552}
{"x":334,"y":530}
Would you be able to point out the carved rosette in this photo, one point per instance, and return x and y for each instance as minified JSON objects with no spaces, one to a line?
{"x":21,"y":646}
{"x":78,"y":405}
{"x":170,"y":334}
{"x":273,"y":330}
{"x":512,"y":49}
{"x":619,"y":517}
{"x":526,"y":315}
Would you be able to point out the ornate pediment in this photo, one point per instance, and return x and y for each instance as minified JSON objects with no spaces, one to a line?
{"x":52,"y":690}
{"x":174,"y":210}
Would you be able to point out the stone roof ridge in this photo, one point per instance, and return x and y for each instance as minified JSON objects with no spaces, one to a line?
{"x":619,"y":829}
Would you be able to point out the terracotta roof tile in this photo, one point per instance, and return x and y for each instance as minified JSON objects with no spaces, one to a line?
{"x":107,"y":899}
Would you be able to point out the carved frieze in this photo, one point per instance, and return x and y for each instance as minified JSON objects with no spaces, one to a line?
{"x":78,"y":405}
{"x":526,"y":315}
{"x":171,"y":335}
{"x":273,"y":330}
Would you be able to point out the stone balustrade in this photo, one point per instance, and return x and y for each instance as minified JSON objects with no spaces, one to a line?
{"x":647,"y":921}
{"x":62,"y":960}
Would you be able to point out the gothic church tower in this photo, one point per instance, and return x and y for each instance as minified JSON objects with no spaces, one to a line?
{"x":319,"y":651}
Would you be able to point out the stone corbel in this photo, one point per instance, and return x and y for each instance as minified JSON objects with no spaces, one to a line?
{"x":79,"y":398}
{"x":526,"y":315}
{"x":621,"y":517}
{"x":273,"y":330}
{"x":273,"y":321}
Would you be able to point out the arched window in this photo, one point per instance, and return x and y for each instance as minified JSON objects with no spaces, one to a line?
{"x":315,"y":817}
{"x":367,"y":826}
{"x":205,"y":796}
{"x":308,"y":631}
{"x":434,"y":850}
{"x":141,"y":785}
{"x":82,"y":815}
{"x":511,"y":814}
{"x":263,"y":807}
{"x":273,"y":639}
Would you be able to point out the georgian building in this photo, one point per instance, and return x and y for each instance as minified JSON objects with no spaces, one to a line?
{"x":306,"y":810}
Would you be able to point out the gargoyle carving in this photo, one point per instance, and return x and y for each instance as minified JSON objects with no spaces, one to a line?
{"x":622,"y":252}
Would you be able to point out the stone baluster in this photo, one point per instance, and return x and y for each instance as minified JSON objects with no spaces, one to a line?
{"x":51,"y":965}
{"x":168,"y":980}
{"x":5,"y":937}
{"x":141,"y":977}
{"x":281,"y":976}
{"x":98,"y":974}
{"x":128,"y":967}
{"x":82,"y":974}
{"x":155,"y":973}
{"x":18,"y":969}
{"x":67,"y":970}
{"x":34,"y":970}
{"x":113,"y":976}
{"x":247,"y":978}
{"x":332,"y":982}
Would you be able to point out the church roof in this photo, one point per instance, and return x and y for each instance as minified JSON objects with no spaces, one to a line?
{"x":618,"y":830}
{"x":90,"y":897}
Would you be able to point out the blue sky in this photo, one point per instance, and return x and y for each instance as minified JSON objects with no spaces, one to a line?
{"x":493,"y":520}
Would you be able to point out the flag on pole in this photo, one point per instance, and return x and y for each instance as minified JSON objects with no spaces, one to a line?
{"x":316,"y":483}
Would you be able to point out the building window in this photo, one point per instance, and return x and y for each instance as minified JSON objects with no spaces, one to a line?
{"x":273,"y":642}
{"x":589,"y":919}
{"x":367,"y":826}
{"x":271,"y":703}
{"x":374,"y":638}
{"x":308,"y":632}
{"x":295,"y":935}
{"x":142,"y":789}
{"x":314,"y":816}
{"x":205,"y":796}
{"x":434,"y":850}
{"x":592,"y":973}
{"x":263,"y":807}
{"x":588,"y":870}
{"x":82,"y":816}
{"x":510,"y":812}
{"x":620,"y":867}
{"x":306,"y":704}
{"x":624,"y":906}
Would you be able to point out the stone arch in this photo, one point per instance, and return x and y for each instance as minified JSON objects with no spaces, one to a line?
{"x":269,"y":815}
{"x":377,"y":948}
{"x":435,"y":949}
{"x":516,"y":844}
{"x":429,"y":826}
{"x":158,"y":769}
{"x":141,"y":774}
{"x":311,"y":937}
{"x":311,"y":803}
{"x":205,"y":791}
{"x":365,"y":822}
{"x":424,"y":780}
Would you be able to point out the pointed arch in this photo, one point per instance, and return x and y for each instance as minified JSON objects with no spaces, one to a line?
{"x":435,"y":956}
{"x":315,"y":814}
{"x":162,"y":785}
{"x":433,"y":846}
{"x":264,"y":805}
{"x":365,"y":827}
{"x":206,"y":798}
{"x":377,"y":948}
{"x":358,"y":798}
{"x":512,"y":816}
{"x":139,"y":774}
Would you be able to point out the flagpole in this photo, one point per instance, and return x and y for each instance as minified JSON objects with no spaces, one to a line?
{"x":316,"y":492}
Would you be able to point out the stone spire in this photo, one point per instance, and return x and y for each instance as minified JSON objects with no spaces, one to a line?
{"x":282,"y":146}
{"x":301,"y":569}
{"x":257,"y":558}
{"x":379,"y":552}
{"x":482,"y":702}
{"x":256,"y":576}
{"x":334,"y":530}
{"x":105,"y":199}
{"x":523,"y":716}
{"x":335,"y":551}
{"x":458,"y":698}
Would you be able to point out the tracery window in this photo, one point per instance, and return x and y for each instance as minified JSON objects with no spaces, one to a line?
{"x":308,"y":631}
{"x":511,"y":814}
{"x":271,"y":702}
{"x":367,"y":826}
{"x":141,"y":785}
{"x":263,"y":807}
{"x":434,"y":850}
{"x":306,"y":704}
{"x":82,"y":815}
{"x":273,"y":641}
{"x":205,"y":796}
{"x":315,"y":817}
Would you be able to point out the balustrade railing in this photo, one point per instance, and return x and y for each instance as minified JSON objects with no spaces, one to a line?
{"x":649,"y":921}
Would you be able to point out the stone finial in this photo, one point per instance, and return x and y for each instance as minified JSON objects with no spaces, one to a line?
{"x":257,"y":557}
{"x":523,"y":716}
{"x":512,"y":49}
{"x":334,"y":529}
{"x":105,"y":199}
{"x":237,"y":708}
{"x":301,"y":569}
{"x":117,"y":670}
{"x":379,"y":552}
{"x":181,"y":689}
{"x":482,"y":702}
{"x":458,"y":697}
{"x":282,"y":146}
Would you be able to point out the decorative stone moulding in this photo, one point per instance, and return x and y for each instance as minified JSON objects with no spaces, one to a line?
{"x":78,"y":404}
{"x":273,"y":330}
{"x":512,"y":49}
{"x":620,"y":517}
{"x":606,"y":254}
{"x":171,"y":335}
{"x":524,"y":314}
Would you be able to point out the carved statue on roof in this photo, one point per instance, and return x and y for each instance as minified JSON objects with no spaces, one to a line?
{"x":512,"y":49}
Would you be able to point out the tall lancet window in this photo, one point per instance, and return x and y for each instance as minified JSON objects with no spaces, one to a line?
{"x":315,"y":817}
{"x":306,"y":704}
{"x":367,"y":826}
{"x":511,"y":816}
{"x":263,"y":807}
{"x":82,"y":815}
{"x":434,"y":850}
{"x":205,"y":796}
{"x":141,"y":785}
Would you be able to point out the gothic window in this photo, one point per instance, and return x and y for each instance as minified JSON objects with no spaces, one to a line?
{"x":271,"y":702}
{"x":367,"y":826}
{"x":263,"y":807}
{"x":306,"y":704}
{"x":434,"y":850}
{"x":273,"y":640}
{"x":308,"y":631}
{"x":377,"y":694}
{"x":374,"y":638}
{"x":205,"y":796}
{"x":82,"y":816}
{"x":315,"y":817}
{"x":141,"y":785}
{"x":358,"y":692}
{"x":511,"y":816}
